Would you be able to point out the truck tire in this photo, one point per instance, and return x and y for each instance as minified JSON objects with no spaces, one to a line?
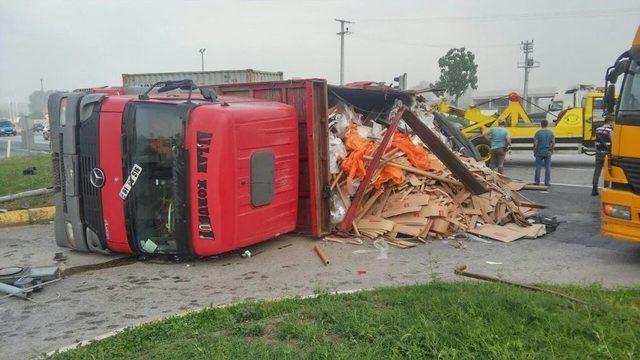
{"x":482,"y":146}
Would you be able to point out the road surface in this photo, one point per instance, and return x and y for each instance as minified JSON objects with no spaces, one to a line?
{"x":89,"y":304}
{"x":40,"y":144}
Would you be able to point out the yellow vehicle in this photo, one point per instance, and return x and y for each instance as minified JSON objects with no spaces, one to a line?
{"x":620,"y":211}
{"x":573,"y":128}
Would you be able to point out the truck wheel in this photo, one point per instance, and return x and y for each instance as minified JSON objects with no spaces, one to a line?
{"x":483,"y":146}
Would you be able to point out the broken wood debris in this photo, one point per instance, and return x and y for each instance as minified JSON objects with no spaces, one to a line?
{"x":412,"y":187}
{"x":321,"y":255}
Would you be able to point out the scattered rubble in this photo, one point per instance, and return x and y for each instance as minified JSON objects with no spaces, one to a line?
{"x":22,"y":281}
{"x":414,"y":192}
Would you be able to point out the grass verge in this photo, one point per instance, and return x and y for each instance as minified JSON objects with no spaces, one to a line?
{"x":12,"y":180}
{"x":466,"y":320}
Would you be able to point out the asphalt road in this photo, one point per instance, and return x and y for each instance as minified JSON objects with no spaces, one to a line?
{"x":40,"y":144}
{"x":89,"y":304}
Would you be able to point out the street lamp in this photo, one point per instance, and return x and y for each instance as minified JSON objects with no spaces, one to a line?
{"x":202,"y":57}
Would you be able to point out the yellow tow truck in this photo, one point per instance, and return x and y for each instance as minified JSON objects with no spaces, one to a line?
{"x":574,"y":127}
{"x":620,"y":211}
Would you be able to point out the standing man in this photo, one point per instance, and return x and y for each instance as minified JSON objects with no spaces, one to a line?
{"x":500,"y":142}
{"x":604,"y":133}
{"x":543,"y":143}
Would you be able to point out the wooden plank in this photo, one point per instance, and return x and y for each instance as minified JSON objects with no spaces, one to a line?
{"x":402,"y":209}
{"x":516,"y":186}
{"x":440,"y":225}
{"x":420,"y":172}
{"x":498,"y":232}
{"x":442,"y":151}
{"x":375,"y":223}
{"x":407,"y":229}
{"x":410,"y":219}
{"x":433,"y":210}
{"x":367,"y":205}
{"x":532,"y":232}
{"x":417,"y":199}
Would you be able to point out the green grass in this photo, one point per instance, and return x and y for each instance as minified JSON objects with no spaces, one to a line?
{"x":13,"y":181}
{"x":466,"y":320}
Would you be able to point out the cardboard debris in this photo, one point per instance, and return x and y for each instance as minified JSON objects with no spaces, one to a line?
{"x":499,"y":232}
{"x":412,"y":195}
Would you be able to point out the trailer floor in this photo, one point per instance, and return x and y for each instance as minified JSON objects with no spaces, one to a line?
{"x":92,"y":303}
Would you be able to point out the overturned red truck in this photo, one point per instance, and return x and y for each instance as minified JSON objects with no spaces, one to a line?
{"x":189,"y":174}
{"x":207,"y":170}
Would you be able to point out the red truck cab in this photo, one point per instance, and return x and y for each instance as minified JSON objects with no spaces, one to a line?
{"x":176,"y":175}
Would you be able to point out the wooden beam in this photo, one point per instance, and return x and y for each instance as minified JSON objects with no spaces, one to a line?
{"x":440,"y":149}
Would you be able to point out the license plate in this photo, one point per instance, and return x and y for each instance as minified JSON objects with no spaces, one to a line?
{"x":131,"y":181}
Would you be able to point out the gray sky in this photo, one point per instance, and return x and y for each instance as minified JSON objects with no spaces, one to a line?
{"x":73,"y":44}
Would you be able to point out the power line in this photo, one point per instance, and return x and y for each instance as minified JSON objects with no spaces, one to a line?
{"x":429,"y":45}
{"x":512,"y":17}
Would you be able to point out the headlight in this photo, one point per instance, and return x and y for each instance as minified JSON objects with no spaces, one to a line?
{"x":617,"y":211}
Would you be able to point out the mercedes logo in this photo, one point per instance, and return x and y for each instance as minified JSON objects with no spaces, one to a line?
{"x":97,"y":177}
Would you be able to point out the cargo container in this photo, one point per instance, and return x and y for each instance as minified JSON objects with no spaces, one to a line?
{"x":138,"y":83}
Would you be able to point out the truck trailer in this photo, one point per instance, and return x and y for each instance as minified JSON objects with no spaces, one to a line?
{"x":139,"y":83}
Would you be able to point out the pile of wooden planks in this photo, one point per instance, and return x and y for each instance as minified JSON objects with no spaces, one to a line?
{"x":434,"y":204}
{"x":423,"y":207}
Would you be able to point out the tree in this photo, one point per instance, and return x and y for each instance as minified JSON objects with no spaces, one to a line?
{"x":38,"y":103}
{"x":458,"y":71}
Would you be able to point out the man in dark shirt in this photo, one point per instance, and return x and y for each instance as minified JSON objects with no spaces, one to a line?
{"x":604,"y":134}
{"x":543,"y":142}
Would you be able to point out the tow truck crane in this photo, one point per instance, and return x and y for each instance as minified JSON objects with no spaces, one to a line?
{"x":573,"y":128}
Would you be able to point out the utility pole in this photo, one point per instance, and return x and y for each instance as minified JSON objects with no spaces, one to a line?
{"x":529,"y":63}
{"x":342,"y":33}
{"x":201,"y":51}
{"x":44,"y":97}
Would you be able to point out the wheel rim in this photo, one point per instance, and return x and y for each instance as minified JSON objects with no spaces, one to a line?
{"x":485,"y":152}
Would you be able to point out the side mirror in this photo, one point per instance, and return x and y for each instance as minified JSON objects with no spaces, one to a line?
{"x":609,"y":99}
{"x":618,"y":69}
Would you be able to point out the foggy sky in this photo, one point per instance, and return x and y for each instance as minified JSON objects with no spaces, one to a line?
{"x":74,"y":44}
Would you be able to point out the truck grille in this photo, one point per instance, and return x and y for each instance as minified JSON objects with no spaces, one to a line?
{"x":631,"y":168}
{"x":88,"y":160}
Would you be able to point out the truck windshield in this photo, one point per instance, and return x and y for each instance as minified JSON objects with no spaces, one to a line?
{"x":151,"y":136}
{"x":556,"y":105}
{"x":629,"y":110}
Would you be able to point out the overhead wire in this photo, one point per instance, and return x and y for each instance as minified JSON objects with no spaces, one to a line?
{"x":511,"y":17}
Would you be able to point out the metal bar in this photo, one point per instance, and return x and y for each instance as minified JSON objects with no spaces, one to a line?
{"x":440,"y":149}
{"x":373,"y":164}
{"x":461,"y":270}
{"x":26,"y":194}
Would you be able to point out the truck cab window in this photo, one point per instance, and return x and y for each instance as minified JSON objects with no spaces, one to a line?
{"x":156,"y":128}
{"x":630,"y":100}
{"x":262,"y":178}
